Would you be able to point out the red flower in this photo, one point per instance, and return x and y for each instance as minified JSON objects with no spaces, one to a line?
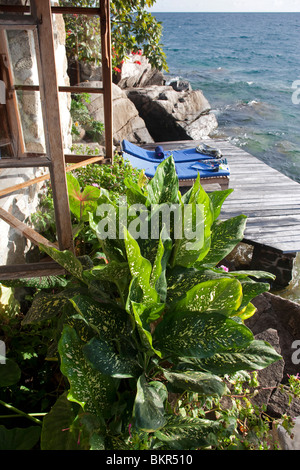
{"x":137,"y":62}
{"x":116,"y":69}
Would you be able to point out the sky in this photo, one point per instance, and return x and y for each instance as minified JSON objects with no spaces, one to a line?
{"x":226,"y":5}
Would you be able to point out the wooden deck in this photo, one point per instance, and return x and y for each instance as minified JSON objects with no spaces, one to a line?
{"x":269,"y":199}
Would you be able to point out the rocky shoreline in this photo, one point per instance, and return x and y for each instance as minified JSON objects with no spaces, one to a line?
{"x":147,"y":109}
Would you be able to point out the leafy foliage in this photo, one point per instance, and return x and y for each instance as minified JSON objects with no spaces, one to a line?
{"x":82,"y":118}
{"x":154,"y":319}
{"x":133,"y":28}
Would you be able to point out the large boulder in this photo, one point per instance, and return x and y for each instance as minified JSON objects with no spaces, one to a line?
{"x":136,"y":71}
{"x":127,"y":124}
{"x":277,"y":321}
{"x":172,"y":115}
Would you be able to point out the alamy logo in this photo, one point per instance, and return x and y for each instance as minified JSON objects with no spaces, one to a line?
{"x":2,"y":92}
{"x":187,"y":222}
{"x":2,"y":352}
{"x":296,"y":94}
{"x":296,"y":354}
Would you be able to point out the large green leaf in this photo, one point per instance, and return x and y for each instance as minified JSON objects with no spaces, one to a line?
{"x":183,"y":253}
{"x":217,"y":295}
{"x":194,"y":237}
{"x":148,"y":410}
{"x":140,"y":268}
{"x":57,"y":431}
{"x":117,"y":273}
{"x":46,"y":306}
{"x":108,"y":319}
{"x":105,"y":224}
{"x":135,"y":194}
{"x":181,"y":279}
{"x":199,"y":335}
{"x":217,"y":198}
{"x":163,"y":187}
{"x":187,"y":433}
{"x":158,"y":278}
{"x":225,"y":236}
{"x":66,"y":259}
{"x":10,"y":372}
{"x":49,"y":282}
{"x":102,"y":356}
{"x":258,"y":355}
{"x":112,"y":271}
{"x":203,"y":383}
{"x":141,"y":317}
{"x":19,"y":438}
{"x":255,"y":274}
{"x":252,"y":289}
{"x":81,"y":202}
{"x":94,"y":391}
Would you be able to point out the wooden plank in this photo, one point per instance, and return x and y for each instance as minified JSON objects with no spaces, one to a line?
{"x":15,"y":125}
{"x":62,"y":89}
{"x":24,"y":162}
{"x":107,"y":75}
{"x":71,"y":158}
{"x":40,"y":160}
{"x":28,"y":232}
{"x":53,"y":134}
{"x":89,"y":11}
{"x":41,"y":269}
{"x":39,"y":179}
{"x":17,"y":21}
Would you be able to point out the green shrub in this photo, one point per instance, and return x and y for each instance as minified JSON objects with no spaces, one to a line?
{"x":154,"y":319}
{"x":81,"y":118}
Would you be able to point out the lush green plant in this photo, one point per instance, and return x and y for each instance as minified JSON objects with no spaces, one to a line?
{"x":109,"y":177}
{"x":82,"y":118}
{"x":156,"y":318}
{"x":132,"y":28}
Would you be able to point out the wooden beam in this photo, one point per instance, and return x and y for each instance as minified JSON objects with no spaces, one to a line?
{"x":33,"y":162}
{"x":49,"y":94}
{"x":107,"y":75}
{"x":39,"y":179}
{"x":89,"y":11}
{"x":40,"y":269}
{"x":71,"y":158}
{"x":63,"y":89}
{"x":40,"y":160}
{"x":17,"y":21}
{"x":14,"y":119}
{"x":28,"y":232}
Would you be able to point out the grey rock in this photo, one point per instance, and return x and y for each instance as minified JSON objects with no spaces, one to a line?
{"x":289,"y":441}
{"x":136,"y":71}
{"x":282,"y":315}
{"x":127,"y":124}
{"x":270,"y":377}
{"x":171,"y":115}
{"x":180,"y":85}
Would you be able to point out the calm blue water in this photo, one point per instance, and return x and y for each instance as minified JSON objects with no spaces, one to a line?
{"x":245,"y":64}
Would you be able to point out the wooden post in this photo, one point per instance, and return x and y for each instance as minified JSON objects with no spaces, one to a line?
{"x":28,"y":232}
{"x":107,"y":75}
{"x":41,"y":10}
{"x":11,"y":101}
